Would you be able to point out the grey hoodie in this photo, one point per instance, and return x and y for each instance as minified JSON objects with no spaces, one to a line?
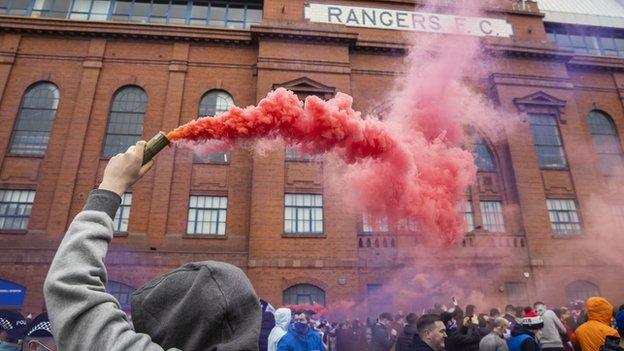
{"x":199,"y":306}
{"x":550,"y":336}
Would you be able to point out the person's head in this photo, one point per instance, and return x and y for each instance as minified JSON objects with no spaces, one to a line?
{"x":399,"y":319}
{"x":385,"y":319}
{"x":471,"y":310}
{"x":38,"y":336}
{"x":448,"y":318}
{"x":283,"y":316}
{"x":411,"y":318}
{"x":500,"y":326}
{"x":510,"y":309}
{"x":619,"y":322}
{"x":565,"y":313}
{"x":216,"y":296}
{"x":540,"y":307}
{"x":494,"y":312}
{"x":532,"y":320}
{"x":519,"y":311}
{"x":599,"y":309}
{"x":301,"y":322}
{"x":431,"y":331}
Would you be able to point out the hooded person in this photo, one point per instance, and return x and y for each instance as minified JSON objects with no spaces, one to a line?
{"x":613,"y":343}
{"x":199,"y":306}
{"x":591,"y":334}
{"x":12,"y":328}
{"x":523,"y":334}
{"x":282,"y":322}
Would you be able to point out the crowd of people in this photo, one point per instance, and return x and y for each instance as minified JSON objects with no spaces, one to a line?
{"x":591,"y":326}
{"x":212,"y":306}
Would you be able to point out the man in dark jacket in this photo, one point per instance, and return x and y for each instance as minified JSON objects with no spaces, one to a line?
{"x":383,"y":336}
{"x":523,"y":334}
{"x":464,"y":337}
{"x":431,"y":333}
{"x":405,"y":342}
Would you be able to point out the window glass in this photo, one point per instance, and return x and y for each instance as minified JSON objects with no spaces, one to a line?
{"x":34,"y":120}
{"x":125,"y":122}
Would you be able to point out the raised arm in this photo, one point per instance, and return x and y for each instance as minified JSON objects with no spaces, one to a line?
{"x":83,"y":315}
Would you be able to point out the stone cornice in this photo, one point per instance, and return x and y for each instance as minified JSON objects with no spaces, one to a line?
{"x":297,"y":30}
{"x":525,"y":49}
{"x":122,"y":30}
{"x":597,"y":63}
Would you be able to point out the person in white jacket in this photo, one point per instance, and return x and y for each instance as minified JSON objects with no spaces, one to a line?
{"x":282,"y":321}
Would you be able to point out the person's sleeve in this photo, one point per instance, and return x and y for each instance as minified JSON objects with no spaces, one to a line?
{"x":83,"y":315}
{"x":560,"y":326}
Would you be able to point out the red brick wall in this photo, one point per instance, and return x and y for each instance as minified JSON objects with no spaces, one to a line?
{"x":175,"y":74}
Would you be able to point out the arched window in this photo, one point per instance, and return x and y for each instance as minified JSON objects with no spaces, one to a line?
{"x":304,"y":294}
{"x":34,"y":120}
{"x":125,"y":120}
{"x":213,"y":103}
{"x":121,"y":292}
{"x":606,"y":141}
{"x":581,"y":290}
{"x":483,"y":156}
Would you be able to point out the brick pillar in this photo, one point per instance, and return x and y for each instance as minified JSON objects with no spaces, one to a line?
{"x":76,"y":138}
{"x":163,"y":169}
{"x":8,"y":49}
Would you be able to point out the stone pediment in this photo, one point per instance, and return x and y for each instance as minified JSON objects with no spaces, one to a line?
{"x":305,"y":86}
{"x":540,"y":101}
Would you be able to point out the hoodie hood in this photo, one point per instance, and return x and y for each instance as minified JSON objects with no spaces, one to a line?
{"x":282,"y":318}
{"x":599,"y":309}
{"x":206,"y":305}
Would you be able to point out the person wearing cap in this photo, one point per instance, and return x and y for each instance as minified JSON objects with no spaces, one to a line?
{"x":12,"y":328}
{"x":523,"y":334}
{"x":591,"y":334}
{"x":199,"y":306}
{"x":38,"y":336}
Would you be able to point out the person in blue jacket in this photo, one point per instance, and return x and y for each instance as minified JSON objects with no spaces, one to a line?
{"x":300,"y":337}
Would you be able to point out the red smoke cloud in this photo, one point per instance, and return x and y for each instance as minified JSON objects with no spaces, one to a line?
{"x":411,"y":172}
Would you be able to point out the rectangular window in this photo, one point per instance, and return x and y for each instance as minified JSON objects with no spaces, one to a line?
{"x":492,"y":216}
{"x":547,"y":141}
{"x":516,"y":292}
{"x":207,"y":215}
{"x":293,"y":154}
{"x":468,"y":216}
{"x":374,"y":225}
{"x":120,"y":223}
{"x":15,"y":207}
{"x":303,"y":213}
{"x":564,"y":217}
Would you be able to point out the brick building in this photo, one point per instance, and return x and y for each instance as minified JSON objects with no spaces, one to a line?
{"x":80,"y":79}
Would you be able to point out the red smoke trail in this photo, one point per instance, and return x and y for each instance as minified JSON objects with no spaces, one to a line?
{"x":402,"y":175}
{"x":321,"y":126}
